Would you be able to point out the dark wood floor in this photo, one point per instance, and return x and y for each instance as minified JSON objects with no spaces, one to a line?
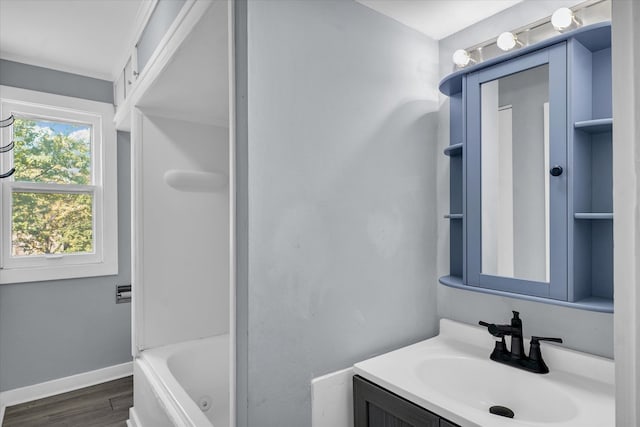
{"x":102,"y":405}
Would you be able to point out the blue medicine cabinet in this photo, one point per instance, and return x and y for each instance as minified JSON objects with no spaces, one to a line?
{"x":531,"y":180}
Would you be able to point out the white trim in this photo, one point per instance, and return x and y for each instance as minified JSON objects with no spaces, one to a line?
{"x":63,"y":385}
{"x":179,"y":30}
{"x":332,"y":399}
{"x":232,"y":212}
{"x":60,"y":102}
{"x":104,"y":176}
{"x":134,"y":420}
{"x":626,"y":208}
{"x":142,"y":19}
{"x":137,"y":235}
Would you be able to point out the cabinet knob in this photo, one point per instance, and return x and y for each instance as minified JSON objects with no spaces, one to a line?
{"x":556,"y":170}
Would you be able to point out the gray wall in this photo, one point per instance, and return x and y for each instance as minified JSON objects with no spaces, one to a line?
{"x":160,"y":20}
{"x":59,"y":328}
{"x":581,"y":330}
{"x":41,"y":79}
{"x":336,"y":177}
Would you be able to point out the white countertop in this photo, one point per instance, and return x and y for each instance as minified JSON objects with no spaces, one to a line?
{"x":452,"y":376}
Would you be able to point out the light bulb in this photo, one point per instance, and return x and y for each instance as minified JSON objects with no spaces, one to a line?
{"x":562,"y":19}
{"x":507,"y":41}
{"x":461,"y":58}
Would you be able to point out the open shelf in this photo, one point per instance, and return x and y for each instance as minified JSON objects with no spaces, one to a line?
{"x":595,"y":126}
{"x":593,"y":215}
{"x":591,"y":303}
{"x":454,"y":150}
{"x":591,"y":156}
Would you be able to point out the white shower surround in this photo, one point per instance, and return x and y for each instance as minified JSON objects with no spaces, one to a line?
{"x":183,"y":261}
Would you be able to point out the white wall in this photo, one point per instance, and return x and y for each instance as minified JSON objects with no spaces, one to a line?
{"x":581,"y":330}
{"x":185,"y":262}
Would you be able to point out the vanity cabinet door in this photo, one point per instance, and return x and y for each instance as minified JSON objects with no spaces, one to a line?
{"x":516,"y":183}
{"x":377,"y":407}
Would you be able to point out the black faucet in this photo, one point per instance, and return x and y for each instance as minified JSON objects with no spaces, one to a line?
{"x":516,"y":356}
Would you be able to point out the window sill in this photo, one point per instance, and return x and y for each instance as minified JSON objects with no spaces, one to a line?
{"x":44,"y":274}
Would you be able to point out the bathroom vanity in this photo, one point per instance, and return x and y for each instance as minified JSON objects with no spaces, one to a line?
{"x":531,"y":206}
{"x":531,"y":217}
{"x":450,"y":380}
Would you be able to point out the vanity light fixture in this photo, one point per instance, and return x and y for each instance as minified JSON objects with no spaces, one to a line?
{"x":564,"y":19}
{"x":462,"y":58}
{"x":507,"y":41}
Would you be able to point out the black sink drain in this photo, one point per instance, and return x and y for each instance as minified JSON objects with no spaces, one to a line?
{"x":502,"y":411}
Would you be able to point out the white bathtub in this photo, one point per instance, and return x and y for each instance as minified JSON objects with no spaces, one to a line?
{"x":184,"y":385}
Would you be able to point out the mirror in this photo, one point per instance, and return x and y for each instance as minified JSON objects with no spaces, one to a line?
{"x":514,"y":175}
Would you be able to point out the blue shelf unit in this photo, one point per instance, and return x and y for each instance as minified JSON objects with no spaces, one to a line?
{"x":594,"y":126}
{"x":589,"y":233}
{"x":455,"y":152}
{"x":590,"y":157}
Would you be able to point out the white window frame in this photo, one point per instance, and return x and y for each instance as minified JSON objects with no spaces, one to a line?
{"x":103,"y":188}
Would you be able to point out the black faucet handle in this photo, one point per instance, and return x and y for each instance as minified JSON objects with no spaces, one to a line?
{"x":499,"y":330}
{"x":534,"y":349}
{"x":493,"y":329}
{"x":538,"y":339}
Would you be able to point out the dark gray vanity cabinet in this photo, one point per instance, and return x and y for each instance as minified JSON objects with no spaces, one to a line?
{"x":373,"y":406}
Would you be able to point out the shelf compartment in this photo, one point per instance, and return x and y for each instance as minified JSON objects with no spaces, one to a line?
{"x":595,"y":126}
{"x":453,"y":150}
{"x":593,"y":215}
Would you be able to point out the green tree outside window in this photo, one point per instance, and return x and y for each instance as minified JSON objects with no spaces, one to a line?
{"x":50,"y":222}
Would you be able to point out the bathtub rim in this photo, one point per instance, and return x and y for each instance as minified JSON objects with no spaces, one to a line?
{"x":168,"y":400}
{"x":171,"y":395}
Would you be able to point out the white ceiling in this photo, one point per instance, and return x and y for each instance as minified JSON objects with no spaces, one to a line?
{"x":89,"y":37}
{"x":93,"y":37}
{"x":438,"y":18}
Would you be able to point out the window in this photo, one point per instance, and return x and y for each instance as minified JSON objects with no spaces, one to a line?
{"x":58,"y":216}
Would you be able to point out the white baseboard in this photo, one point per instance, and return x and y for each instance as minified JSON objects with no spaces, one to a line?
{"x":332,"y":400}
{"x":63,"y":385}
{"x":133,"y":420}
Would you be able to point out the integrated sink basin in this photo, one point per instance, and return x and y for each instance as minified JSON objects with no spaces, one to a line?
{"x":479,"y":384}
{"x":452,"y":376}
